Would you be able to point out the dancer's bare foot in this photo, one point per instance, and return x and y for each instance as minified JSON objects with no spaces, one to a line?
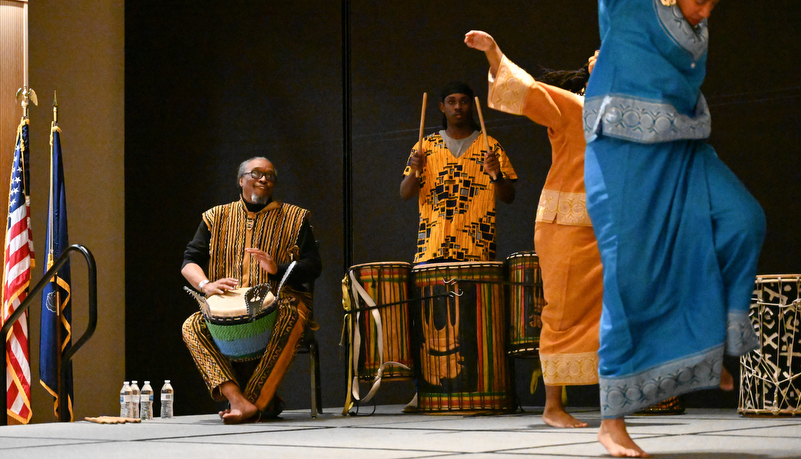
{"x":241,"y":410}
{"x":554,"y":414}
{"x":614,"y":437}
{"x":726,"y":380}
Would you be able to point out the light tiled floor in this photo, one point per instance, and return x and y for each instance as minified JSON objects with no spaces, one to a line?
{"x":697,"y":434}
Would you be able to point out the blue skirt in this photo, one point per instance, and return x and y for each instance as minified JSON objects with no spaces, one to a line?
{"x":679,"y":237}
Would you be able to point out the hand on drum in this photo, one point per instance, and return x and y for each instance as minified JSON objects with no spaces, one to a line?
{"x":219,"y":286}
{"x":265,"y":260}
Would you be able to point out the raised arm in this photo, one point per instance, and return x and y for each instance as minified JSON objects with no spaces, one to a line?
{"x":483,"y":41}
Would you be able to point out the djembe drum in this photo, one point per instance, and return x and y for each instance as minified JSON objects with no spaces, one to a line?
{"x":769,"y":376}
{"x":460,"y":325}
{"x":240,"y":321}
{"x":375,"y":298}
{"x":525,"y":303}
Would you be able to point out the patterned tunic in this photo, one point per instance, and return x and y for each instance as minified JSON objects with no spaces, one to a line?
{"x":457,"y":201}
{"x":275,"y":229}
{"x":564,"y":240}
{"x":679,"y":234}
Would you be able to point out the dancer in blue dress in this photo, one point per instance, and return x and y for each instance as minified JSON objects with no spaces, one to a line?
{"x":679,"y":234}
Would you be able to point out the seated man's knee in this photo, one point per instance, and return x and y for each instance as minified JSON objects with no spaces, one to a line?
{"x":188,"y":329}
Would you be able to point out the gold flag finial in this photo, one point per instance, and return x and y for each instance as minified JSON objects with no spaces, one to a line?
{"x":55,"y":109}
{"x":25,"y":96}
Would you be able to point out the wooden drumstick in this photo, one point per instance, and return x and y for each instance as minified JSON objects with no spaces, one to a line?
{"x":484,"y":130}
{"x":422,"y":125}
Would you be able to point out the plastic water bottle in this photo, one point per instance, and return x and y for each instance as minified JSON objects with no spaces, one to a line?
{"x":146,"y":402}
{"x":167,"y":396}
{"x":125,"y":400}
{"x":135,"y":394}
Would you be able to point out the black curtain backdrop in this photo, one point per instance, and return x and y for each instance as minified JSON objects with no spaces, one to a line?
{"x":209,"y":84}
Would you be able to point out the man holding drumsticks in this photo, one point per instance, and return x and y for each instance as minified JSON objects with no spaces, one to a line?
{"x":245,"y":243}
{"x":457,"y":173}
{"x":457,"y":181}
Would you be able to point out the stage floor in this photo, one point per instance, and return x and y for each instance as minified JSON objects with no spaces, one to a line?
{"x":696,"y":434}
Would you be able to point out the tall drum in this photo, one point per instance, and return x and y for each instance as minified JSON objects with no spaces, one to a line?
{"x":460,"y":325}
{"x":375,"y":299}
{"x":769,"y":376}
{"x":526,"y":301}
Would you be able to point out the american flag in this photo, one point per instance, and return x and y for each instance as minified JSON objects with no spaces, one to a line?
{"x":17,"y":264}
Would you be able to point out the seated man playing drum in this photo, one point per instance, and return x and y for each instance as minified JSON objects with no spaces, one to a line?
{"x":246,"y":243}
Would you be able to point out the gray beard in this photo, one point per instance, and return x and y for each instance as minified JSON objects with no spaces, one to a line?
{"x":256,"y":199}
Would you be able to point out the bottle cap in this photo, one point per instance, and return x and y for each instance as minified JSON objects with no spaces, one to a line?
{"x":147,"y":382}
{"x":166,"y":381}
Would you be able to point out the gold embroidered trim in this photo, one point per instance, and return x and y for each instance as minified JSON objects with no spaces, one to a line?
{"x":508,"y":89}
{"x":563,"y":208}
{"x":570,"y":369}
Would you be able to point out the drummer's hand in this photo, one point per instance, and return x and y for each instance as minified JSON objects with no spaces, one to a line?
{"x":220,"y":286}
{"x":491,"y":164}
{"x":416,"y":161}
{"x":265,"y":260}
{"x":479,"y":40}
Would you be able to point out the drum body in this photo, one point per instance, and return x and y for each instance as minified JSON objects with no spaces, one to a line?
{"x":769,"y":376}
{"x":238,"y":335}
{"x":386,"y":283}
{"x":460,"y":327}
{"x":525,"y":304}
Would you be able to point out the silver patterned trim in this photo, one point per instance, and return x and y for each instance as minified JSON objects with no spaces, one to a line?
{"x":622,"y":396}
{"x":639,"y":120}
{"x":694,"y":39}
{"x":740,"y":335}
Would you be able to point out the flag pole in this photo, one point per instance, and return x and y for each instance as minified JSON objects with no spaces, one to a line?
{"x":50,"y":260}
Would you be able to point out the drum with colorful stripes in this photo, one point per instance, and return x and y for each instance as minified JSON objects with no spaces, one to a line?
{"x":525,"y":304}
{"x":460,"y":326}
{"x":381,"y":332}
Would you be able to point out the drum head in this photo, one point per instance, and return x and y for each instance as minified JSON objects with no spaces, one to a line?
{"x":233,"y":304}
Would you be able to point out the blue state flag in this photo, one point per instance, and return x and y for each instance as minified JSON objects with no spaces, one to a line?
{"x":56,"y":331}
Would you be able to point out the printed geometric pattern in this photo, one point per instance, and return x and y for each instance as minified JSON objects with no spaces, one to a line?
{"x":457,"y":202}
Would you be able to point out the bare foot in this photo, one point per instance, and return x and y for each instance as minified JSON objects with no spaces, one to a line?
{"x":556,"y":418}
{"x":614,"y":437}
{"x":240,"y":410}
{"x":726,"y":381}
{"x":237,"y":416}
{"x":554,"y":414}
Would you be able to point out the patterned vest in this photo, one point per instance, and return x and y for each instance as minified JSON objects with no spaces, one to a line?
{"x":273,"y":229}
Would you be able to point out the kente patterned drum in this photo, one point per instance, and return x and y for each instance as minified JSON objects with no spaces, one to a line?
{"x":460,"y":327}
{"x":383,"y":331}
{"x":769,"y":376}
{"x":525,"y":304}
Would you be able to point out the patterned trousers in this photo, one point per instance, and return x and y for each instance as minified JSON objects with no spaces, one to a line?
{"x":261,"y":384}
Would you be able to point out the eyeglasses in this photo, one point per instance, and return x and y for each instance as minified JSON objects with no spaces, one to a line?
{"x":257,"y":175}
